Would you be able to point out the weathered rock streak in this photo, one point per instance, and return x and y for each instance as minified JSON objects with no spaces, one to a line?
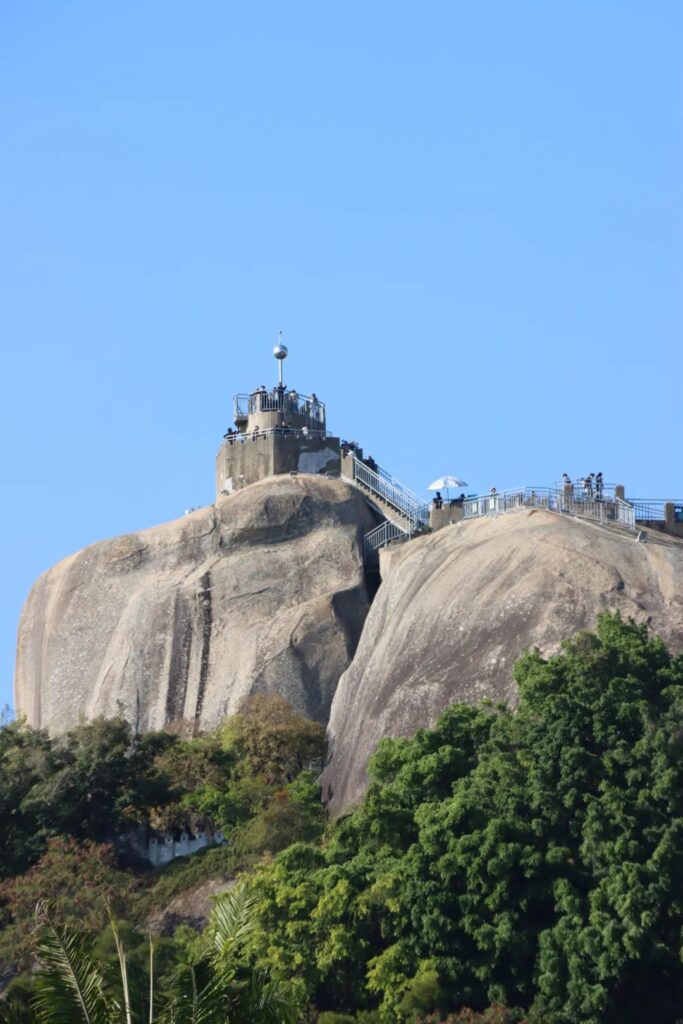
{"x":262,"y":592}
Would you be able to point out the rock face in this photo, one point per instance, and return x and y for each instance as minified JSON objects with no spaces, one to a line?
{"x":457,"y":608}
{"x":263,"y":591}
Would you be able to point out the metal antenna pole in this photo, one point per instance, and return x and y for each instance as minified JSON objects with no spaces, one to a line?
{"x":280,"y":353}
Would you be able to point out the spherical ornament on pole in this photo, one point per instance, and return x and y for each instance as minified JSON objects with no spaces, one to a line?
{"x":280,"y":352}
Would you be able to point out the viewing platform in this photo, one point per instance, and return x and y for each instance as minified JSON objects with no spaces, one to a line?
{"x":265,"y":410}
{"x":277,"y":430}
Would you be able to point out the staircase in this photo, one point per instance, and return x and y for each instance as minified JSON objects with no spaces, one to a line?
{"x":405,"y":512}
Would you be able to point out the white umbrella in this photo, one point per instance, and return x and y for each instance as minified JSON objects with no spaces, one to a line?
{"x":444,"y":482}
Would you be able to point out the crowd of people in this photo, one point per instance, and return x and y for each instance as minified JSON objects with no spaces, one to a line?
{"x":279,"y":399}
{"x":592,"y":486}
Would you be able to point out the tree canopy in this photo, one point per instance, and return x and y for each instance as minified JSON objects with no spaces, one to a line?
{"x":531,"y":858}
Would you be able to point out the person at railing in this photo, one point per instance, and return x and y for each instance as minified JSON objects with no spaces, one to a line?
{"x":259,"y":398}
{"x":458,"y":501}
{"x":587,"y":483}
{"x":437,"y":500}
{"x":315,"y":406}
{"x":371,"y":464}
{"x":599,"y":487}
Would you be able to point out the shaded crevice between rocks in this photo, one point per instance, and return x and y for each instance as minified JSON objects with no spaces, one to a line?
{"x":206,"y":619}
{"x":179,"y":668}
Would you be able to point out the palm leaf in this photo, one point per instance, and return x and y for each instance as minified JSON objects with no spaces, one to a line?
{"x":123,"y":967}
{"x":69,"y":983}
{"x":192,"y":1003}
{"x":14,"y":1012}
{"x":268,"y":1002}
{"x":151,"y":979}
{"x":230,"y":922}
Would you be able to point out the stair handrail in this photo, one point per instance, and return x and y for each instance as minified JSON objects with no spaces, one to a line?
{"x":392,"y":491}
{"x":383,"y":534}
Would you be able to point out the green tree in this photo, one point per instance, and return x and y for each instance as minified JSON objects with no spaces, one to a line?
{"x":530,"y":859}
{"x":25,"y":760}
{"x":272,"y":740}
{"x":82,"y":879}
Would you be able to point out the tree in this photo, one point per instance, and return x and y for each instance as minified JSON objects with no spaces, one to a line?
{"x":530,"y":858}
{"x":82,"y":880}
{"x":272,"y":740}
{"x":25,"y":759}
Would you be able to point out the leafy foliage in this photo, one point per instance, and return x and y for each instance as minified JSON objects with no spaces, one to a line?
{"x":530,"y":859}
{"x":59,"y":798}
{"x":82,"y":880}
{"x":271,"y":740}
{"x":73,"y":985}
{"x":78,"y":785}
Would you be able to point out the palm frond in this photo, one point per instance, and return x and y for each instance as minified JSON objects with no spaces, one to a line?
{"x":194,"y":1003}
{"x":151,"y":979}
{"x":69,"y":983}
{"x":123,"y":967}
{"x":269,"y":1002}
{"x":230,"y":922}
{"x":14,"y":1012}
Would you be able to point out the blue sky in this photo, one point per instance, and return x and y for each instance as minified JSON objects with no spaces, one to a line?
{"x":465,"y":217}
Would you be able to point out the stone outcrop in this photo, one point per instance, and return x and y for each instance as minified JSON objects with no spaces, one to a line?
{"x":457,"y":608}
{"x":263,"y":591}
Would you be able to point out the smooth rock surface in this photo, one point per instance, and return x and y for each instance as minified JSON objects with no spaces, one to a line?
{"x":458,"y":608}
{"x":263,"y":591}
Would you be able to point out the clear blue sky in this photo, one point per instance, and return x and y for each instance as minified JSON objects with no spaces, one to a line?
{"x":466,"y":218}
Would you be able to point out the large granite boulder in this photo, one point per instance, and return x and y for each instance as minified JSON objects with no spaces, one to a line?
{"x":457,"y":608}
{"x":263,"y":591}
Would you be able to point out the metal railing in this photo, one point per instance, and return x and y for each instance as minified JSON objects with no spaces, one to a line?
{"x":491,"y":504}
{"x":653,"y":509}
{"x":587,"y":488}
{"x":610,"y":512}
{"x":253,"y":435}
{"x":383,"y":535}
{"x":291,"y":403}
{"x":393,"y":493}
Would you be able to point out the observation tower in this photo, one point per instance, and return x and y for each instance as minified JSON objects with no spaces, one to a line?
{"x":277,"y":430}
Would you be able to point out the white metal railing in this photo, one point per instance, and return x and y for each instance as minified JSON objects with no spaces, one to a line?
{"x":397,"y":495}
{"x":291,"y":403}
{"x":488,"y":504}
{"x":649,"y":510}
{"x":611,"y":511}
{"x":653,"y":509}
{"x":254,"y":435}
{"x":586,"y":487}
{"x":384,"y":534}
{"x":626,"y":513}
